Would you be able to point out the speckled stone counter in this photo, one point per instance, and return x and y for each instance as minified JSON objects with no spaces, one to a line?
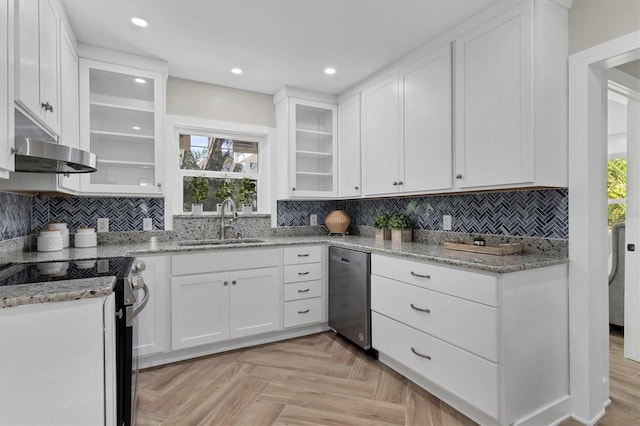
{"x":55,"y":291}
{"x":12,"y":295}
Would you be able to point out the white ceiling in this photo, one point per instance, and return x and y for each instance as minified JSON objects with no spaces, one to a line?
{"x":275,"y":42}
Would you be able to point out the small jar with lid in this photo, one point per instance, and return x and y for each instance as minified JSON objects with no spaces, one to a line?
{"x":50,"y":240}
{"x":85,"y":237}
{"x":64,"y":230}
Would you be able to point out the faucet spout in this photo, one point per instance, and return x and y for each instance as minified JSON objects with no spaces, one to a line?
{"x":222,"y":207}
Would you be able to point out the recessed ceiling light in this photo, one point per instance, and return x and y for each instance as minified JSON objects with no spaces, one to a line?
{"x":139,"y":22}
{"x":329,"y":71}
{"x":136,"y":127}
{"x":140,"y":80}
{"x":236,"y":70}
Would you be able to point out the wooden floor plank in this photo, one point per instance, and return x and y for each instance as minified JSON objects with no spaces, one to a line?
{"x":423,"y":409}
{"x":260,"y":413}
{"x":318,"y":366}
{"x":295,"y":415}
{"x":392,"y":387}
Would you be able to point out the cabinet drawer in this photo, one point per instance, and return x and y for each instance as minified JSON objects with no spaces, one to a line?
{"x":223,"y":260}
{"x":470,"y":325}
{"x":308,"y":272}
{"x":302,"y":254}
{"x":301,"y":312}
{"x":302,"y":290}
{"x":467,"y":376}
{"x":468,"y":285}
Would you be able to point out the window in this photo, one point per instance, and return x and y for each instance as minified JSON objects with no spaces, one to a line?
{"x":230,"y":164}
{"x":617,"y":190}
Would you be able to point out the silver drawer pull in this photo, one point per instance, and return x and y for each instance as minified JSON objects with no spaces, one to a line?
{"x":419,"y":354}
{"x":303,"y":291}
{"x":304,"y":255}
{"x":420,"y":276}
{"x":303,"y":312}
{"x":303,"y":273}
{"x":420,"y":309}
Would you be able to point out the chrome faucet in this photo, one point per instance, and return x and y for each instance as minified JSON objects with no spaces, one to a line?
{"x":233,"y":210}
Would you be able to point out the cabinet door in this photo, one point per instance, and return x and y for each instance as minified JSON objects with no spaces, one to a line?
{"x":349,"y":147}
{"x":48,"y":54}
{"x":256,"y":299}
{"x":313,"y":155}
{"x":425,"y":157}
{"x":494,"y":99}
{"x":121,"y":118}
{"x":199,"y":309}
{"x":380,"y":137}
{"x":69,"y":114}
{"x":28,"y":75}
{"x":154,"y":319}
{"x":6,"y":88}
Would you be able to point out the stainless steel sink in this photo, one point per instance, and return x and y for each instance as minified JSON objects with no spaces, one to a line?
{"x":219,"y":242}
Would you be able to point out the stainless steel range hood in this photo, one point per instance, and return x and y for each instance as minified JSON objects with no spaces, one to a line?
{"x":37,"y":152}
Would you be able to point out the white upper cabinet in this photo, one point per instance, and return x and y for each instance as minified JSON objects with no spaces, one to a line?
{"x":425,"y":162}
{"x":349,"y":147}
{"x":6,"y":87}
{"x":121,"y":120}
{"x":406,"y":129}
{"x":380,"y":137}
{"x":69,"y":113}
{"x":37,"y":81}
{"x":510,"y":103}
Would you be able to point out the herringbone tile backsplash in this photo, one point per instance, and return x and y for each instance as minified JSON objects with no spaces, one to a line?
{"x":124,"y":213}
{"x":540,"y":213}
{"x":15,"y":215}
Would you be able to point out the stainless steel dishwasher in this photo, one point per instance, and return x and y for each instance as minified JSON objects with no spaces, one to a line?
{"x":350,"y":295}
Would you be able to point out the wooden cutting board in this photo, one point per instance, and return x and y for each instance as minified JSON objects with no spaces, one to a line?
{"x":498,"y":250}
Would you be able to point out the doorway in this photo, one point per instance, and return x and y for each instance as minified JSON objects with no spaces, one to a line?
{"x":588,"y":241}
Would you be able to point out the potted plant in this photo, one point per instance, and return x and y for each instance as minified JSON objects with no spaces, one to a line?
{"x":381,"y":224}
{"x":199,"y":187}
{"x":246,"y":195}
{"x":400,"y":225}
{"x":223,"y":191}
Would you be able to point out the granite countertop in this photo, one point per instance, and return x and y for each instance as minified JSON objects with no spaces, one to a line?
{"x":95,"y":287}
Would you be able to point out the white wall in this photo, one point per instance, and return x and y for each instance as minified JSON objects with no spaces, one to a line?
{"x":195,"y":99}
{"x":592,"y":22}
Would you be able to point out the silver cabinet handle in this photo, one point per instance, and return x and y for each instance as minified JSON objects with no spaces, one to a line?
{"x":420,"y":276}
{"x":234,"y":282}
{"x":303,"y":291}
{"x":303,"y":273}
{"x":293,"y":188}
{"x":225,"y":283}
{"x":47,"y":106}
{"x":419,"y":354}
{"x":303,"y":312}
{"x":428,"y":311}
{"x":458,"y":176}
{"x":395,"y":183}
{"x":400,"y":183}
{"x":356,"y":188}
{"x":303,"y":255}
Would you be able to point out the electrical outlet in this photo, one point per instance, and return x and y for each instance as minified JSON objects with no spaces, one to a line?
{"x":103,"y":224}
{"x":313,"y":219}
{"x":147,"y":224}
{"x":446,"y":222}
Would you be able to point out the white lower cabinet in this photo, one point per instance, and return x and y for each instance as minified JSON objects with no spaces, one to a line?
{"x":227,"y":302}
{"x":493,"y":346}
{"x":154,"y":322}
{"x":64,"y":370}
{"x":304,"y":274}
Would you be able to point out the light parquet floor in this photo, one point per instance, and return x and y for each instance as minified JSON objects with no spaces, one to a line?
{"x":322,"y":380}
{"x":314,"y":380}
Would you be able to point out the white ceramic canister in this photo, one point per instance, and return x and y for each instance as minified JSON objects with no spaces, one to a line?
{"x":50,"y":240}
{"x":85,"y":237}
{"x":64,"y":230}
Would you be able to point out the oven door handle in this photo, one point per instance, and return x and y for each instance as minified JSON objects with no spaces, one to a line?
{"x":143,"y":302}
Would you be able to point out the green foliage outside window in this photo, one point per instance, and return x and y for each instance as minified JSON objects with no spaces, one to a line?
{"x":616,"y":189}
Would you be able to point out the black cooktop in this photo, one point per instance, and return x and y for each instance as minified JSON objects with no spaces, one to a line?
{"x":38,"y":272}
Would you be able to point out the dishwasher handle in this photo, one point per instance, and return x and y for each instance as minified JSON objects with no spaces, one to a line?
{"x":335,"y":258}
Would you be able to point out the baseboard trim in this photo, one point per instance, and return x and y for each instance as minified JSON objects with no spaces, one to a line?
{"x":595,"y":419}
{"x":552,"y":414}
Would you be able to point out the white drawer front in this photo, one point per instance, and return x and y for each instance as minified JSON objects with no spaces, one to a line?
{"x":468,"y":285}
{"x":470,"y":325}
{"x":302,"y":254}
{"x":223,"y":260}
{"x":471,"y":378}
{"x":303,"y":290}
{"x":301,"y":312}
{"x":308,"y":272}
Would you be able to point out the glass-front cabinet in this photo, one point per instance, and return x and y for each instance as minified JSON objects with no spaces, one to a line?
{"x":313,"y":155}
{"x":121,"y":118}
